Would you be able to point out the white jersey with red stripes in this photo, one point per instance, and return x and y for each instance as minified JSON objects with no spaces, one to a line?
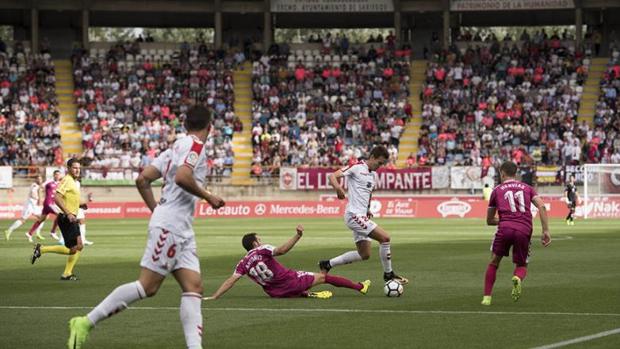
{"x":175,"y":211}
{"x":361,"y":182}
{"x":33,"y":195}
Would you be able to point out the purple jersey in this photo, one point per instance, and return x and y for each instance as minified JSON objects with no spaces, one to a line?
{"x":275,"y":279}
{"x":50,"y":193}
{"x":513,"y":199}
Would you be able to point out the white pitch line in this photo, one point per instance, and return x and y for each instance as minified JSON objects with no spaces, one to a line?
{"x":335,"y":310}
{"x":580,"y":339}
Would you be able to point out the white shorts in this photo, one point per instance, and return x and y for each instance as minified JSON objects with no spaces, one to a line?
{"x":166,"y":252}
{"x":81,"y":214}
{"x":361,"y":226}
{"x":31,"y":209}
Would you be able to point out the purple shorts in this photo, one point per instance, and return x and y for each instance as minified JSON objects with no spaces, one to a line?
{"x":520,"y":242}
{"x":294,"y":287}
{"x":49,"y":209}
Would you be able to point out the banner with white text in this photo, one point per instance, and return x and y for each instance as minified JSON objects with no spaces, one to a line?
{"x":332,"y":6}
{"x":509,"y":5}
{"x":317,"y":179}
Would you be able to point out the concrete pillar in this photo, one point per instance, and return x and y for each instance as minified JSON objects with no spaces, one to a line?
{"x":578,"y":27}
{"x":34,"y":30}
{"x":398,"y":28}
{"x":267,"y":26}
{"x":218,"y":24}
{"x":85,"y":26}
{"x":446,"y":29}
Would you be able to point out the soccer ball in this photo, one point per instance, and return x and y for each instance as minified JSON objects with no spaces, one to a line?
{"x":393,"y":288}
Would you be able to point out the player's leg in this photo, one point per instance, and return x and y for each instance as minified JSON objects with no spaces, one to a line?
{"x":360,"y":231}
{"x":489,"y":278}
{"x":190,"y":310}
{"x":339,"y":281}
{"x":53,"y":230}
{"x":118,"y":300}
{"x":520,"y":257}
{"x":18,"y":223}
{"x":383,"y":238}
{"x":187,"y":274}
{"x":36,"y":227}
{"x":82,"y":222}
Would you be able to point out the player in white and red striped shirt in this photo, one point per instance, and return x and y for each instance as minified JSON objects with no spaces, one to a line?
{"x":171,"y":245}
{"x":361,"y":183}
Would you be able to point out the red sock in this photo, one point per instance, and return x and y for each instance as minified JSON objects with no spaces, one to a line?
{"x":489,"y":279}
{"x":34,"y":228}
{"x":339,"y":281}
{"x":521,"y":272}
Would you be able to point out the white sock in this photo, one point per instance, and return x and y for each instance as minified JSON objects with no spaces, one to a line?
{"x":117,"y":301}
{"x":386,"y":256}
{"x":191,"y":318}
{"x":345,"y":258}
{"x":83,"y":232}
{"x":15,"y":225}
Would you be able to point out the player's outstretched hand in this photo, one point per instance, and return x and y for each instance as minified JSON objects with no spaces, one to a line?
{"x":546,"y":238}
{"x":341,"y":194}
{"x":208,"y":298}
{"x":300,"y":230}
{"x":369,"y":215}
{"x":216,"y":202}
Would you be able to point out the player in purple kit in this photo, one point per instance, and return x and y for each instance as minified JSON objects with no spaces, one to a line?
{"x":49,"y":206}
{"x":275,"y":279}
{"x":512,"y":200}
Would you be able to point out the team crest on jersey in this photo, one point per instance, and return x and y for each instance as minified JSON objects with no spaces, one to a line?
{"x":368,"y":185}
{"x":192,"y":158}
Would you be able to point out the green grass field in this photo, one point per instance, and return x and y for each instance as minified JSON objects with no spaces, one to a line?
{"x":572,"y":290}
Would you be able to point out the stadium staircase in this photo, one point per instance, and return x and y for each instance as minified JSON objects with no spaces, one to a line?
{"x":409,"y":138}
{"x":592,"y":90}
{"x":70,"y":132}
{"x":242,"y":142}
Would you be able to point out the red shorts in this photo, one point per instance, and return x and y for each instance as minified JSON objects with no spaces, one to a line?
{"x":519,"y":241}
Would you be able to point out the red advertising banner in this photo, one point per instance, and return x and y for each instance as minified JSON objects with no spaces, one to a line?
{"x":329,"y":207}
{"x":400,"y":179}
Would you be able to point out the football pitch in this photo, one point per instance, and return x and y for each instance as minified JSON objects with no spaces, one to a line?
{"x":572,"y":289}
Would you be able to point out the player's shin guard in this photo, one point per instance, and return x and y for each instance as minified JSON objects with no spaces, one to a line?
{"x":191,"y":318}
{"x":345,"y":258}
{"x":117,"y":301}
{"x":520,"y":272}
{"x":386,"y":256}
{"x":339,"y":281}
{"x":489,"y":279}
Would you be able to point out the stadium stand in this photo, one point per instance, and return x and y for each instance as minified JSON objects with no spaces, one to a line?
{"x":603,"y":143}
{"x":29,"y":119}
{"x":131,"y":102}
{"x":495,"y":100}
{"x":321,"y":108}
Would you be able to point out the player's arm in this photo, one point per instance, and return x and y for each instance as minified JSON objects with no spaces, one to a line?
{"x":39,"y":196}
{"x":59,"y":199}
{"x":491,"y":216}
{"x":544,"y":220}
{"x":333,"y":180}
{"x":184,"y":178}
{"x":368,"y":213}
{"x":226,"y":285}
{"x":284,"y":248}
{"x":149,"y":175}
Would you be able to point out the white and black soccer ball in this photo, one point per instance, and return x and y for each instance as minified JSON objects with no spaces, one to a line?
{"x":393,"y":288}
